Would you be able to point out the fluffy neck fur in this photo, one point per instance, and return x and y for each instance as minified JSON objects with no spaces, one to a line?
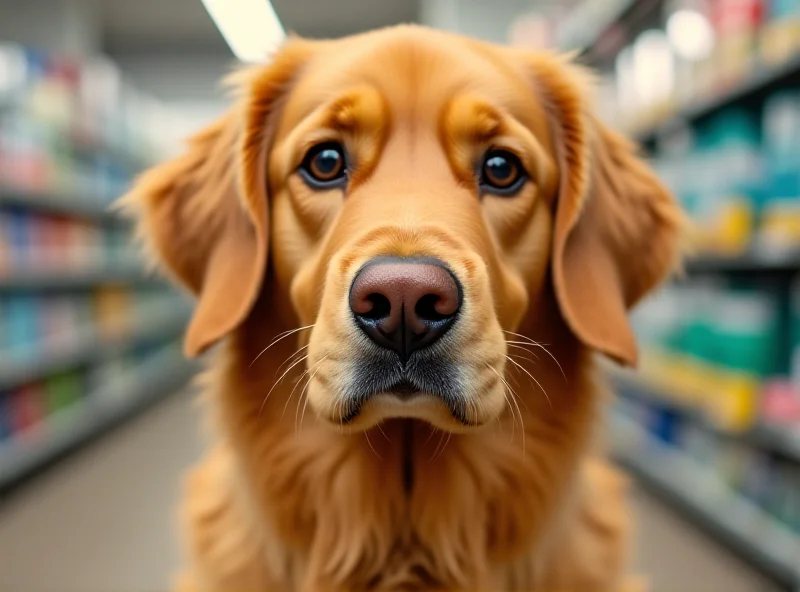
{"x":402,"y":507}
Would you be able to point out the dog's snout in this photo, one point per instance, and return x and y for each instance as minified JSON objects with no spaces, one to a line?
{"x":405,"y":304}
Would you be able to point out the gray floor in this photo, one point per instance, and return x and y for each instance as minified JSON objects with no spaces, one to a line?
{"x":103,"y":521}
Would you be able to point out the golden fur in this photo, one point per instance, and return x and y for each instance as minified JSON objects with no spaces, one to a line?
{"x":405,"y":497}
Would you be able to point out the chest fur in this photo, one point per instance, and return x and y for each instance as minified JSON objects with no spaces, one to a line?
{"x":405,"y":507}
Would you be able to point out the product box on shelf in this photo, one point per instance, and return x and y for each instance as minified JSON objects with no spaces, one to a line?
{"x":737,"y":24}
{"x":780,"y":224}
{"x":715,"y":347}
{"x":780,"y":35}
{"x":28,"y":408}
{"x":21,"y":326}
{"x":717,"y":172}
{"x":63,"y":390}
{"x":781,"y":404}
{"x":57,"y":244}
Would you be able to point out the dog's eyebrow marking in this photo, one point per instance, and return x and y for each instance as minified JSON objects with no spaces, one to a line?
{"x":472,"y":119}
{"x":362,"y":114}
{"x":487,"y":122}
{"x":467,"y":121}
{"x":359,"y":108}
{"x":344,"y":113}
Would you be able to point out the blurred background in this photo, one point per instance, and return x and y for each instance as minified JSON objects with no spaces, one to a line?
{"x":96,"y":426}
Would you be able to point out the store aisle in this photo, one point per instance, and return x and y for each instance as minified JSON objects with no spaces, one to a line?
{"x":103,"y":521}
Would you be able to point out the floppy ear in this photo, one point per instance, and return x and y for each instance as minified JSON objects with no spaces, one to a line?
{"x":616,"y":227}
{"x":204,"y":215}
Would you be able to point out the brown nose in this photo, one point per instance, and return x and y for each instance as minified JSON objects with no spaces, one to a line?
{"x":405,"y":304}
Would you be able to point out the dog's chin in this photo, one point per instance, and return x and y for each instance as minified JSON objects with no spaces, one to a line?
{"x":420,"y":406}
{"x":401,"y":403}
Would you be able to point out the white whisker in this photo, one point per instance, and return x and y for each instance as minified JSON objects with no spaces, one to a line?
{"x":280,"y":337}
{"x":380,"y":429}
{"x":441,"y":439}
{"x":449,"y":435}
{"x":514,"y":401}
{"x":430,"y":436}
{"x":518,"y":345}
{"x":291,"y":358}
{"x":316,"y":369}
{"x":277,"y":382}
{"x":366,"y":435}
{"x":541,"y":346}
{"x":508,"y":401}
{"x":525,"y":370}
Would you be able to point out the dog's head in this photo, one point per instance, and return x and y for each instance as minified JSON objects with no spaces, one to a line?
{"x":417,"y":195}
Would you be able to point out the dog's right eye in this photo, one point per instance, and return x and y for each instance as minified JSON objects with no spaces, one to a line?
{"x":324,"y":166}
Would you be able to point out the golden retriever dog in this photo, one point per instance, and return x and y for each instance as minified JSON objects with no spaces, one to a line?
{"x":411,"y":246}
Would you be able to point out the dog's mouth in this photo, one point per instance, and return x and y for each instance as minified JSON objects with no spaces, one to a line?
{"x":406,"y":391}
{"x":403,"y":390}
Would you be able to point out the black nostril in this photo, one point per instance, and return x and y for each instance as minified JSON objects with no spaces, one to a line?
{"x":426,"y":309}
{"x":381,"y":308}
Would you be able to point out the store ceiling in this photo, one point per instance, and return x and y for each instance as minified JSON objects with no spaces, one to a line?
{"x":172,"y":50}
{"x":177,"y":26}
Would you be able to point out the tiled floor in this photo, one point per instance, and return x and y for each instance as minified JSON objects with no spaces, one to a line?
{"x":103,"y":521}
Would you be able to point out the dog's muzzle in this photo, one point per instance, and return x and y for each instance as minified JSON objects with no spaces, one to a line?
{"x":405,"y":306}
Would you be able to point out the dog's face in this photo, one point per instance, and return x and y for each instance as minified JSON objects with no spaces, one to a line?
{"x":418,"y":195}
{"x":411,"y":173}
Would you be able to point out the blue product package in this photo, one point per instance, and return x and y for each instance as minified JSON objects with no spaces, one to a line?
{"x":21,"y":325}
{"x":18,"y":227}
{"x":667,"y":426}
{"x":783,"y":8}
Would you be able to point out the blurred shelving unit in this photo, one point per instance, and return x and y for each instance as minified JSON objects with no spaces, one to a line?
{"x":108,"y":405}
{"x":711,"y":91}
{"x":709,"y":503}
{"x":124,"y":273}
{"x":768,"y":436}
{"x":764,"y":80}
{"x":753,"y":261}
{"x":87,"y":347}
{"x":88,"y":334}
{"x":78,"y":204}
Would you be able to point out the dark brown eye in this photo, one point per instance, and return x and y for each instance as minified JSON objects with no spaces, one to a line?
{"x":501,"y":173}
{"x":324,"y":166}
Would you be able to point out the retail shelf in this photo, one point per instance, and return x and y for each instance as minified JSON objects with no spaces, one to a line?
{"x":125,"y":272}
{"x":96,"y":413}
{"x":727,"y":516}
{"x":63,"y":204}
{"x":762,"y":81}
{"x":117,"y":153}
{"x":753,"y":261}
{"x":589,"y":20}
{"x":776,"y":438}
{"x":89,"y":145}
{"x":88,"y":347}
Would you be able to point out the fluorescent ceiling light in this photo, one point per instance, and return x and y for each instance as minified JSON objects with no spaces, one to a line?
{"x":250,"y":27}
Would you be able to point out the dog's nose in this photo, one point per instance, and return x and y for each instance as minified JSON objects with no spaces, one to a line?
{"x":405,"y":304}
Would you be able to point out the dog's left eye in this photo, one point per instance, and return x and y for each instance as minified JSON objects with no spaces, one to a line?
{"x":324,"y":166}
{"x":501,"y":173}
